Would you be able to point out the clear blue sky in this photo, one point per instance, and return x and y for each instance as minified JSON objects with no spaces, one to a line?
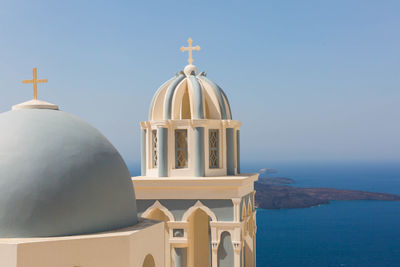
{"x":310,"y":80}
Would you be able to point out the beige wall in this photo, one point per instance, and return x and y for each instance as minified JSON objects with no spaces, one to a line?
{"x":8,"y":255}
{"x":124,"y":248}
{"x":159,"y":215}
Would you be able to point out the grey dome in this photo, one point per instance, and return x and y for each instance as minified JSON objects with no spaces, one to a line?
{"x":60,"y":176}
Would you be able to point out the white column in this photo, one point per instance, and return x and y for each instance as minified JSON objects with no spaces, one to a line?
{"x":236,"y":209}
{"x":237,"y":248}
{"x":214,"y":246}
{"x":214,"y":254}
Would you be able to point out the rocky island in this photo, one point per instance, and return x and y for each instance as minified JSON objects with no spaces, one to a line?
{"x":276,"y":193}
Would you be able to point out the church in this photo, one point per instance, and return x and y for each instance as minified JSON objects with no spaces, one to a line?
{"x":67,"y":198}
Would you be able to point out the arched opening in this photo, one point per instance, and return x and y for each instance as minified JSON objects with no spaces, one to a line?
{"x":251,"y":226}
{"x":243,"y":211}
{"x":208,"y":116}
{"x":199,"y":252}
{"x":250,"y":222}
{"x":185,"y":111}
{"x":159,"y":215}
{"x":225,"y":251}
{"x":149,"y":261}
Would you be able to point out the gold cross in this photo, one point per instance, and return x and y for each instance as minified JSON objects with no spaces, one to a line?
{"x":35,"y":81}
{"x":190,"y":48}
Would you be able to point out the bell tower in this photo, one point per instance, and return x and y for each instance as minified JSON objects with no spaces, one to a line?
{"x":190,"y":174}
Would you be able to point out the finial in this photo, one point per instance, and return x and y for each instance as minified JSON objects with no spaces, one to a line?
{"x":190,"y":48}
{"x":35,"y":81}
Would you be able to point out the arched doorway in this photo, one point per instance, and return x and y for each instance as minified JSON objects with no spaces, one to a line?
{"x":149,"y":261}
{"x":225,"y":251}
{"x":199,"y":250}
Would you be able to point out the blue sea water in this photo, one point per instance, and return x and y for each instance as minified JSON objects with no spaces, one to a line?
{"x":343,"y":233}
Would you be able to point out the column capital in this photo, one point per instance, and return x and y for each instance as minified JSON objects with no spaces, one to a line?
{"x":236,"y":201}
{"x":144,"y":125}
{"x":237,"y":246}
{"x":214,"y":245}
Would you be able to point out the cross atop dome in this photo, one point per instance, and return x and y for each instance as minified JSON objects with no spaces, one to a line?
{"x":35,"y":81}
{"x":190,"y":48}
{"x":35,"y":103}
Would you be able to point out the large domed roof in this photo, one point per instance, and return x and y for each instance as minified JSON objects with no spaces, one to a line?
{"x":60,"y":176}
{"x":190,"y":95}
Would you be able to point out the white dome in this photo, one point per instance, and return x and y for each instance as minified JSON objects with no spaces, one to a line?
{"x":190,"y":96}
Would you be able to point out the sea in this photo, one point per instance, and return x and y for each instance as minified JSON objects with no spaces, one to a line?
{"x":342,"y":233}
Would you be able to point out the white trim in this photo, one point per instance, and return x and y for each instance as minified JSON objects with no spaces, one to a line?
{"x":158,"y":205}
{"x":201,"y":206}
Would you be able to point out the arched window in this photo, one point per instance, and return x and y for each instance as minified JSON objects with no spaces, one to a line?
{"x":149,"y":261}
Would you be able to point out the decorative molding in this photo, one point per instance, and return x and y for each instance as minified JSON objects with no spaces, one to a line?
{"x":226,"y":226}
{"x":198,"y":123}
{"x":162,"y":123}
{"x":188,"y":187}
{"x":158,"y":205}
{"x":201,"y":206}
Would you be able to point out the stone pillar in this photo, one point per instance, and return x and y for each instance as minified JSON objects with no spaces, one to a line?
{"x":143,"y":152}
{"x":238,"y":151}
{"x":230,"y":152}
{"x":162,"y":136}
{"x":199,"y":169}
{"x":180,"y":257}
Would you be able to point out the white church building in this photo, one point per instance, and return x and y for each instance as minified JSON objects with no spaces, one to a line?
{"x":67,"y":199}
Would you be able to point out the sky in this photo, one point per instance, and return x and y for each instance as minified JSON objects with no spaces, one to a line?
{"x":309,"y":80}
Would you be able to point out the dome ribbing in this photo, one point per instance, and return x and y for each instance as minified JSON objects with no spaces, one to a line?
{"x":190,"y":96}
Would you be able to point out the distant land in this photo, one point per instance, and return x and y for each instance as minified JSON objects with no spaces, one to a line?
{"x":276,"y":193}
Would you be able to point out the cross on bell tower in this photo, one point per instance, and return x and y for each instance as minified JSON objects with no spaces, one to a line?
{"x":35,"y":81}
{"x":190,"y":48}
